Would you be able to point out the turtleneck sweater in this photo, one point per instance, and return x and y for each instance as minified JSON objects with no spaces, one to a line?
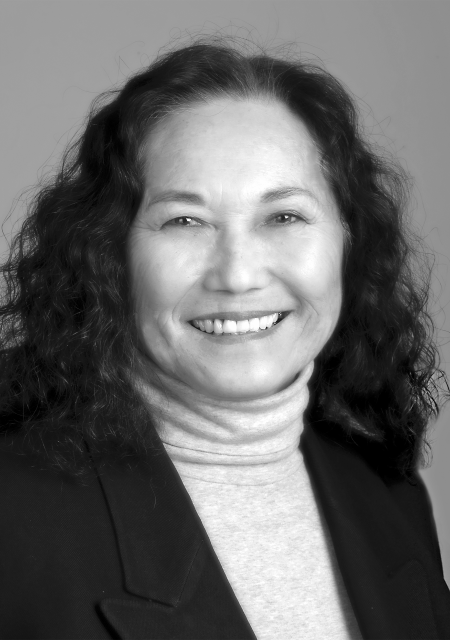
{"x":244,"y":472}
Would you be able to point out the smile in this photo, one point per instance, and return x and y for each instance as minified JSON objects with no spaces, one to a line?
{"x":239,"y":327}
{"x":245,"y":329}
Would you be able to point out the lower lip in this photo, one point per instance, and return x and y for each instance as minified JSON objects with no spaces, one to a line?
{"x":229,"y":338}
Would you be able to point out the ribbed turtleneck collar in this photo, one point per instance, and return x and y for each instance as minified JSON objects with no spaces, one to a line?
{"x":230,"y":442}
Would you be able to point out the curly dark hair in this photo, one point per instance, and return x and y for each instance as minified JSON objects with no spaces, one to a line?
{"x":68,"y":335}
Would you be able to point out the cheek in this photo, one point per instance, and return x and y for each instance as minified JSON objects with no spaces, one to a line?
{"x":159,"y":275}
{"x":317,"y":276}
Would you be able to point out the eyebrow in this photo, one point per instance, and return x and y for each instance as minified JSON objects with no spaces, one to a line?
{"x":190,"y":197}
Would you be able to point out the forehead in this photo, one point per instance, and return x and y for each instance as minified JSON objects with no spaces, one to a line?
{"x":231,"y":125}
{"x":240,"y":115}
{"x":232,"y":144}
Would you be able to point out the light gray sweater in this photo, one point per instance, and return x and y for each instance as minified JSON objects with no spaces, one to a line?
{"x":244,"y":472}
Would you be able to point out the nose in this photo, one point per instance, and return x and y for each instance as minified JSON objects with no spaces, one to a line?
{"x":238,"y":263}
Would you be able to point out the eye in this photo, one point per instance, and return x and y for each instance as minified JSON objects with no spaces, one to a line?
{"x":173,"y":221}
{"x":286,"y":214}
{"x":289,"y":214}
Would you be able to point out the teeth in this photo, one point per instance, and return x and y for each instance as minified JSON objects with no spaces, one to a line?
{"x":239,"y":327}
{"x":208,"y":325}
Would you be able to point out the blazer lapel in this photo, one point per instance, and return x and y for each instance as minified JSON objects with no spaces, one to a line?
{"x":390,"y":575}
{"x":177,"y":585}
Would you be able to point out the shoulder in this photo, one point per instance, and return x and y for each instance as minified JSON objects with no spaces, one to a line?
{"x":59,"y":551}
{"x":36,"y":500}
{"x":26,"y":472}
{"x":351,"y":475}
{"x":413,"y":500}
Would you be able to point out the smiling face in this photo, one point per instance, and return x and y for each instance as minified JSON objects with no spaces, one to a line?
{"x":231,"y":246}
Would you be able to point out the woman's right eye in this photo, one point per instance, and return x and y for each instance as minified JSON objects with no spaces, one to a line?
{"x":173,"y":221}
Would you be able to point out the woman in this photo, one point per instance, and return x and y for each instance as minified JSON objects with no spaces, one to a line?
{"x":217,"y":372}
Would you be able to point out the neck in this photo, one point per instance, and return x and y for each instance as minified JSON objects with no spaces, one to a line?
{"x":247,"y":441}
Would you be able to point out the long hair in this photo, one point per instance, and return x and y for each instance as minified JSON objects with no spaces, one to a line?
{"x":68,"y":335}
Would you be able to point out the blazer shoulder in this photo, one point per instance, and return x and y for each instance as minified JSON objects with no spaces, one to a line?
{"x":60,"y":556}
{"x":355,"y":466}
{"x":30,"y":489}
{"x":413,"y":500}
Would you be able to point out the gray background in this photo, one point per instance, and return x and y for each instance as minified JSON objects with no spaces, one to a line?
{"x":394,"y":55}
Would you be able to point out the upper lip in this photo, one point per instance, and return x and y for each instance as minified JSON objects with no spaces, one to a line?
{"x":237,"y":315}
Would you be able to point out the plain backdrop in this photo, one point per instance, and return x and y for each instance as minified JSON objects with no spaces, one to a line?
{"x":394,"y":55}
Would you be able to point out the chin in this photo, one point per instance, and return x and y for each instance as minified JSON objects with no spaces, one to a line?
{"x":237,"y":390}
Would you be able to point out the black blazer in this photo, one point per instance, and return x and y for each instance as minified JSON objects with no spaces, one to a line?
{"x":126,"y":556}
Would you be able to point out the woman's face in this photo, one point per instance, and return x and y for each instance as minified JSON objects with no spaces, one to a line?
{"x":237,"y":219}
